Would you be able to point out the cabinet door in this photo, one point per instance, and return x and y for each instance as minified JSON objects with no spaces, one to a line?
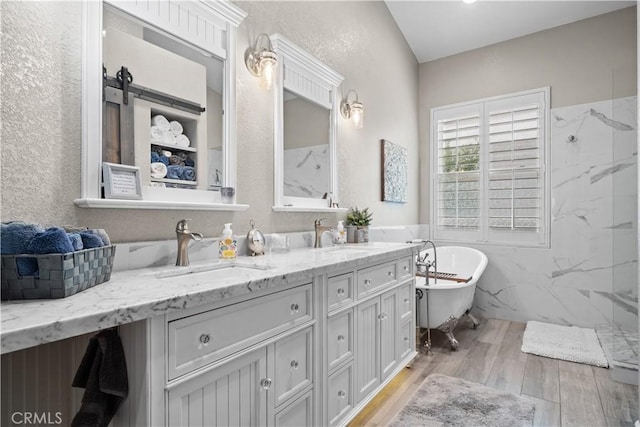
{"x":368,"y":347}
{"x":233,"y":395}
{"x":389,"y":332}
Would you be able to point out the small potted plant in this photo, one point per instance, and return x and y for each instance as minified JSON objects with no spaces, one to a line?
{"x":359,"y":221}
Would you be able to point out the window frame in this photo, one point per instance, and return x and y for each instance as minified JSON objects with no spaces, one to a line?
{"x":484,"y":235}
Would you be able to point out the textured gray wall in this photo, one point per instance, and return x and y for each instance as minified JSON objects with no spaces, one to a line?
{"x":589,"y":60}
{"x":41,"y":134}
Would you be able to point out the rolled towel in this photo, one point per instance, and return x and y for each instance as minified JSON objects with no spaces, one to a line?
{"x":103,"y":235}
{"x":157,"y":133}
{"x":14,"y":239}
{"x":189,"y":162}
{"x":53,"y":240}
{"x":158,"y":170}
{"x":15,"y":236}
{"x":167,"y":153}
{"x":176,"y":160}
{"x":189,"y":173}
{"x":76,"y":241}
{"x":174,"y":171}
{"x":182,"y":141}
{"x":160,"y":121}
{"x":91,"y":240}
{"x":175,"y":127}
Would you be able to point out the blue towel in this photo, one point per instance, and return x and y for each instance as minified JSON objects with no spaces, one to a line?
{"x":189,"y":174}
{"x":106,"y":241}
{"x":91,"y":240}
{"x":14,"y":239}
{"x":189,"y":162}
{"x":15,"y":236}
{"x":76,"y":241}
{"x":174,"y":171}
{"x":53,"y":240}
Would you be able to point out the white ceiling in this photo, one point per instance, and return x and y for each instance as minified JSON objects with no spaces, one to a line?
{"x":435,"y":29}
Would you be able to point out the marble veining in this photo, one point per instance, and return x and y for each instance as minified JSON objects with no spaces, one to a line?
{"x":138,"y":294}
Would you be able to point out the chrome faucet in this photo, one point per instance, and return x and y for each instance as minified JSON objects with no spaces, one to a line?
{"x":320,"y":229}
{"x":426,"y":264}
{"x":184,"y":236}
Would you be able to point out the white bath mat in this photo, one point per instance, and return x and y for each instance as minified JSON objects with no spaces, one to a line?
{"x":563,"y":342}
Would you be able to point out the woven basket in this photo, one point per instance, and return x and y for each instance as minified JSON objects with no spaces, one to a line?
{"x":59,"y":275}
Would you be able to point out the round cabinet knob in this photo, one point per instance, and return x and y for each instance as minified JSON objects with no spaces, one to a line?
{"x":382,"y":316}
{"x":340,"y":291}
{"x":406,"y":339}
{"x":367,"y":282}
{"x":407,"y":301}
{"x":265,"y":383}
{"x":295,"y":308}
{"x":405,"y":268}
{"x":204,"y":338}
{"x":341,"y":394}
{"x":294,"y":364}
{"x":340,"y":338}
{"x":390,"y":273}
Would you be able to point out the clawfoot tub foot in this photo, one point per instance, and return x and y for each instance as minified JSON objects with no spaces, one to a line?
{"x":475,"y":321}
{"x":447,"y":327}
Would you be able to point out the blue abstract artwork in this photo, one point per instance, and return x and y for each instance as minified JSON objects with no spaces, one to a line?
{"x":394,"y":172}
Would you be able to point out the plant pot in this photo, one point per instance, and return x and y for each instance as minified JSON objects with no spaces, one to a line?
{"x":351,"y":233}
{"x":362,"y":234}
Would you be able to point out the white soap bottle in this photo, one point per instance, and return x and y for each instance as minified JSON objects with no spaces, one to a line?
{"x":227,"y":248}
{"x":340,"y":234}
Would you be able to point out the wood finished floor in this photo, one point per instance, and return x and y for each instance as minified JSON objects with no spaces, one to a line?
{"x":565,"y":393}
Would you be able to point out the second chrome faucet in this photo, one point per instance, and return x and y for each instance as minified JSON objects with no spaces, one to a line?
{"x":184,"y":236}
{"x":320,"y":230}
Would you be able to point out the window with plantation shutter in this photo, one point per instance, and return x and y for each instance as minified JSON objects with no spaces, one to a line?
{"x":490,"y":172}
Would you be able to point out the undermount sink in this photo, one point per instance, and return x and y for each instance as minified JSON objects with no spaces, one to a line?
{"x":219,"y":270}
{"x":344,"y":250}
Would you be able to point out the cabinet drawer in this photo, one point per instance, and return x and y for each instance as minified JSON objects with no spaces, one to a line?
{"x":299,"y":413}
{"x":294,"y":364}
{"x":340,"y":394}
{"x":340,"y":338}
{"x":406,"y":300}
{"x":405,"y":267}
{"x":372,"y":278}
{"x":206,"y":337}
{"x":340,"y":290}
{"x":406,"y":339}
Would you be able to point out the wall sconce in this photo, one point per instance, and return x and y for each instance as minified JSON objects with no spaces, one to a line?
{"x":262,"y":62}
{"x":352,"y":110}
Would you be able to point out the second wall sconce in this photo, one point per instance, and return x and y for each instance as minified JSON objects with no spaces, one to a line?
{"x":262,"y":61}
{"x":353,"y":110}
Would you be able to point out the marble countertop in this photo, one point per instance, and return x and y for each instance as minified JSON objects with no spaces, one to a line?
{"x":144,"y":293}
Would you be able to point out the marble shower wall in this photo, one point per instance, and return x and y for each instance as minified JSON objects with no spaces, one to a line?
{"x":589,"y":275}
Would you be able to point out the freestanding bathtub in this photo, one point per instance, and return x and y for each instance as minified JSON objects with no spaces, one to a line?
{"x":443,"y":302}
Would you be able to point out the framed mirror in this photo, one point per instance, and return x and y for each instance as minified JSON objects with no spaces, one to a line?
{"x":163,"y":100}
{"x":305,"y":119}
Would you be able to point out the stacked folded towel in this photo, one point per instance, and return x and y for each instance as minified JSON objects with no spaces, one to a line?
{"x":17,"y":238}
{"x":168,"y":132}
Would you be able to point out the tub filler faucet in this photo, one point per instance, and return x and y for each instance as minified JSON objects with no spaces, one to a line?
{"x":320,"y":230}
{"x":184,"y":236}
{"x":425,"y":264}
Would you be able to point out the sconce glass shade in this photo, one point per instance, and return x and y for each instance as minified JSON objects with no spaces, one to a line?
{"x":262,"y":62}
{"x":353,"y":110}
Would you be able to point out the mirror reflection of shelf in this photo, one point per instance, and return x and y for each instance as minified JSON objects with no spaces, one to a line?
{"x":174,"y":147}
{"x":175,"y":181}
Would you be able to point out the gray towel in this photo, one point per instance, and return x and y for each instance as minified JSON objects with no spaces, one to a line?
{"x":103,"y":375}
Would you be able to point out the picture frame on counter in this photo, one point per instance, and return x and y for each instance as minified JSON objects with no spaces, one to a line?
{"x":121,"y":181}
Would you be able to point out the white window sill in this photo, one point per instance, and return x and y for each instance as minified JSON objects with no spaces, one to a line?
{"x":156,"y":204}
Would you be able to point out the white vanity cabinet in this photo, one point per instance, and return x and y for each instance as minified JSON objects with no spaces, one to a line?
{"x":370,"y":333}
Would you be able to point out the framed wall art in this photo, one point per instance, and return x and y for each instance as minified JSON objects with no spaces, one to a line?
{"x":394,"y":172}
{"x":121,"y":181}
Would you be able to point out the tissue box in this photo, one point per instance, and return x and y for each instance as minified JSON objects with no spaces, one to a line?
{"x":59,"y":275}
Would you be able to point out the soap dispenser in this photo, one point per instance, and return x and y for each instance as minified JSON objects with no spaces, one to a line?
{"x":227,"y":243}
{"x":340,"y":236}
